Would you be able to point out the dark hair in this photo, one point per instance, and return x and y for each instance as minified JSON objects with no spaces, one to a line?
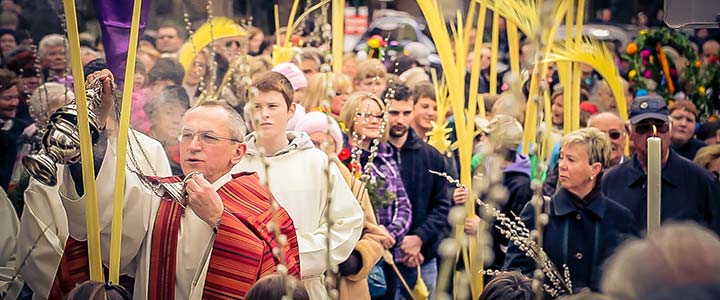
{"x":708,"y":129}
{"x":181,"y":33}
{"x":91,"y":290}
{"x":400,"y":64}
{"x":7,"y":80}
{"x":166,"y":69}
{"x":508,"y":286}
{"x":423,"y":90}
{"x":272,"y":287}
{"x":397,"y":91}
{"x":94,"y":66}
{"x":274,"y":81}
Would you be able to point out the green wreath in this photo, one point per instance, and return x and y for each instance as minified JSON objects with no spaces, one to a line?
{"x":710,"y":74}
{"x":646,"y":66}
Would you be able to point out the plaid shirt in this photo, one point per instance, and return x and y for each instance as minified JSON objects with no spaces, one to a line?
{"x":397,"y":216}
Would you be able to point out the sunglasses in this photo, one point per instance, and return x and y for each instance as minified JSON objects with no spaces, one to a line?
{"x":647,"y":127}
{"x":614,"y":134}
{"x":229,"y":44}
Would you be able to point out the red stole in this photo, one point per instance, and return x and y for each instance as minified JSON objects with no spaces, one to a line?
{"x":74,"y":269}
{"x":242,"y":252}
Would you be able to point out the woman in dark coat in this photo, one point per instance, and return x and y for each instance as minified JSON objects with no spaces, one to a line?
{"x":584,"y":226}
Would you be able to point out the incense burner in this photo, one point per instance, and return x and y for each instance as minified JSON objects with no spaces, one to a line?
{"x":60,"y":143}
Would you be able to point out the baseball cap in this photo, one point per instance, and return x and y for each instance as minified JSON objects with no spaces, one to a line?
{"x":648,"y":107}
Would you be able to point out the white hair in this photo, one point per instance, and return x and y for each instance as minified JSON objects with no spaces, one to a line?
{"x":50,"y":40}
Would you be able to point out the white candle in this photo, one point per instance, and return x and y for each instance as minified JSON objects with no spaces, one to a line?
{"x":654,"y":167}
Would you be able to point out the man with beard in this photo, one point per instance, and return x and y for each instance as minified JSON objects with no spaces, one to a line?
{"x":428,"y":193}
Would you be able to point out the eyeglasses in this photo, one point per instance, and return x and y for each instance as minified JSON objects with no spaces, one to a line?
{"x":614,"y":134}
{"x":647,"y":127}
{"x":204,"y":138}
{"x":369,"y":115}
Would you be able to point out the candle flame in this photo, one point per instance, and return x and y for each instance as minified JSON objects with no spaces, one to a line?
{"x":654,"y":130}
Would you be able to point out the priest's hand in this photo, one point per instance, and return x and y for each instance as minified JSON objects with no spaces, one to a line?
{"x":108,"y":86}
{"x":203,"y":199}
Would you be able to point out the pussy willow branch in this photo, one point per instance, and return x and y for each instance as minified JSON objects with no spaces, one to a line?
{"x":515,"y":230}
{"x":282,"y":269}
{"x":24,"y":260}
{"x":188,"y":27}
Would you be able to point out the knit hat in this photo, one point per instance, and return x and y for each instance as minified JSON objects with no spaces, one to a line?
{"x":293,"y":73}
{"x":296,"y":117}
{"x":319,"y":122}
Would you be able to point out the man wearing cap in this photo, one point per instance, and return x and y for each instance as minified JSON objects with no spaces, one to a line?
{"x":688,"y":191}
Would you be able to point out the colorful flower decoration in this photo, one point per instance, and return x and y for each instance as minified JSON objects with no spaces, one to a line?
{"x":645,"y":60}
{"x":631,"y":48}
{"x":632,"y":74}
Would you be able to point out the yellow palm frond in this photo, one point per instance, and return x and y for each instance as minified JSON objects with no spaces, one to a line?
{"x":525,"y":14}
{"x":439,"y":136}
{"x":595,"y":54}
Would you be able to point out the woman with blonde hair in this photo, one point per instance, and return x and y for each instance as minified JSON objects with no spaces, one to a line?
{"x":316,"y":92}
{"x":364,"y":115}
{"x":354,"y":271}
{"x":584,"y":226}
{"x":708,"y":158}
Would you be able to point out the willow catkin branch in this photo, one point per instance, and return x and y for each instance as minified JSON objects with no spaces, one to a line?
{"x":516,"y":231}
{"x":22,"y":263}
{"x":273,"y":225}
{"x":188,"y":27}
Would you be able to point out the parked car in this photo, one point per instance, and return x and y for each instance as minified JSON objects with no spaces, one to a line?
{"x":400,"y":27}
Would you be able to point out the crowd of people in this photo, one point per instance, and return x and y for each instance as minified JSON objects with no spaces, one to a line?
{"x":250,"y":179}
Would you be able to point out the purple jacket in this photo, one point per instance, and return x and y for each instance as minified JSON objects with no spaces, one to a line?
{"x":397,"y":216}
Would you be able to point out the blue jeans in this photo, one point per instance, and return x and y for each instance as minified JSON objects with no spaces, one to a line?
{"x":429,"y":273}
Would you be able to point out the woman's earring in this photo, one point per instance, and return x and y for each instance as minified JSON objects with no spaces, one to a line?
{"x":592,"y":178}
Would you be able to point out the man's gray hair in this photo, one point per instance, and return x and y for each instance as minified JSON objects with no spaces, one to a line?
{"x":236,"y":125}
{"x":173,"y":95}
{"x":50,"y":40}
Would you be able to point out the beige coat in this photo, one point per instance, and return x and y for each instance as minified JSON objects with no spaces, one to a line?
{"x":355,"y":287}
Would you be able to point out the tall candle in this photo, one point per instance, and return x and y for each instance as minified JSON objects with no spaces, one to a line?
{"x":654,"y":166}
